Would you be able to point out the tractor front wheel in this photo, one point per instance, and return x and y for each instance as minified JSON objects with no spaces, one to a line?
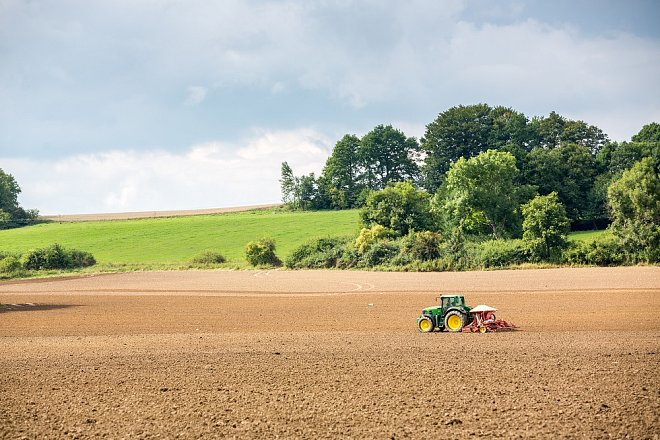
{"x":454,"y":321}
{"x":425,"y":324}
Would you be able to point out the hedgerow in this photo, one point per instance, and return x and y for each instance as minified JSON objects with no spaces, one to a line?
{"x":499,"y":253}
{"x":428,"y":252}
{"x":57,"y":257}
{"x":603,"y":252}
{"x":321,"y":253}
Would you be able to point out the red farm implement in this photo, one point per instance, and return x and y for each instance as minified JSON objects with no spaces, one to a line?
{"x":484,"y":321}
{"x":453,"y":315}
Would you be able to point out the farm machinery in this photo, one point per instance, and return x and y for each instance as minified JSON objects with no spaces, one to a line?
{"x":453,"y":315}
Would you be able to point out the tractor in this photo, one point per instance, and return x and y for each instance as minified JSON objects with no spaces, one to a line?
{"x":451,"y":314}
{"x":454,"y":316}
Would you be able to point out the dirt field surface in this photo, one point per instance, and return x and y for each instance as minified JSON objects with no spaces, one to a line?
{"x":329,"y":354}
{"x":151,"y":214}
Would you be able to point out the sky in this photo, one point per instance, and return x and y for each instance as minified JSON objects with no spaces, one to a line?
{"x":144,"y":105}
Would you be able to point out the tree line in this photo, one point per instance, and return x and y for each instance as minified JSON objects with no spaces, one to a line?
{"x":11,"y":213}
{"x":525,"y":156}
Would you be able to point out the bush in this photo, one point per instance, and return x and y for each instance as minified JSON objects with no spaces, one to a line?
{"x":349,"y":257}
{"x":443,"y":264}
{"x":380,"y":253}
{"x":52,"y":257}
{"x":5,"y":254}
{"x":56,"y":257}
{"x":400,"y":206}
{"x":374,"y":247}
{"x":455,"y":245}
{"x":321,"y":253}
{"x":404,"y":257}
{"x":5,"y":219}
{"x":369,"y":236}
{"x":262,"y":253}
{"x":208,"y":258}
{"x":500,"y":253}
{"x":423,"y":246}
{"x":603,"y":252}
{"x":545,"y":226}
{"x":10,"y":264}
{"x":81,"y":258}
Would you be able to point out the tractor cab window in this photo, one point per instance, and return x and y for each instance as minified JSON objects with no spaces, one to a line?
{"x":452,"y":301}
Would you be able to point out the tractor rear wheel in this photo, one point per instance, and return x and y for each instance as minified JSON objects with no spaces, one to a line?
{"x":425,"y":325}
{"x":454,"y":321}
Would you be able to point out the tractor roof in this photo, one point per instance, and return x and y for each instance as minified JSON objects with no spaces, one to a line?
{"x":450,"y":296}
{"x":482,"y":308}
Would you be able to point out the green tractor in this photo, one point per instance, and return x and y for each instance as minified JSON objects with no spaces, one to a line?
{"x":451,"y":314}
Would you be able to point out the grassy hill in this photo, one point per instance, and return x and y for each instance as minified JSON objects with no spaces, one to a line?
{"x":173,"y":241}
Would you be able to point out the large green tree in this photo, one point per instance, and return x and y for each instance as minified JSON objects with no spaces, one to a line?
{"x":387,"y":155}
{"x":616,"y":157}
{"x":465,"y":131}
{"x":307,"y":193}
{"x":508,"y":127}
{"x":300,"y":192}
{"x":554,"y":130}
{"x":634,"y":201}
{"x":545,"y":225}
{"x":400,"y":207}
{"x":462,"y":131}
{"x":9,"y":191}
{"x":569,"y":169}
{"x":340,"y":178}
{"x":649,"y":139}
{"x":288,"y":184}
{"x":648,"y":133}
{"x":480,"y":195}
{"x":11,"y":213}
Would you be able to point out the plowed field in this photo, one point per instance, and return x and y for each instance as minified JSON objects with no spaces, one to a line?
{"x":329,"y":354}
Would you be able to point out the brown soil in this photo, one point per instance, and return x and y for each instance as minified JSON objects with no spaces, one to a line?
{"x":328,"y":354}
{"x":152,"y":214}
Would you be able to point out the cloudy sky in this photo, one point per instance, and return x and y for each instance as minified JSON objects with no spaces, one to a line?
{"x":140,"y":105}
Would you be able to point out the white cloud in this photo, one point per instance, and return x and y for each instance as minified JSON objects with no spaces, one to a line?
{"x":79,"y":77}
{"x":196,"y":95}
{"x":278,"y":87}
{"x":208,"y":175}
{"x":537,"y":68}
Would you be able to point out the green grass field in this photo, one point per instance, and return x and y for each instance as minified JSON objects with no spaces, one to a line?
{"x":589,"y":235}
{"x":173,"y":241}
{"x":166,"y":243}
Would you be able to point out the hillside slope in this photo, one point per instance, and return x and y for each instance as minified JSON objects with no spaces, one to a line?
{"x":175,"y":240}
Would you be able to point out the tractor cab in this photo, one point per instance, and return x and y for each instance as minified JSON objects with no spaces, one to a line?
{"x":448,"y":301}
{"x":450,"y":314}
